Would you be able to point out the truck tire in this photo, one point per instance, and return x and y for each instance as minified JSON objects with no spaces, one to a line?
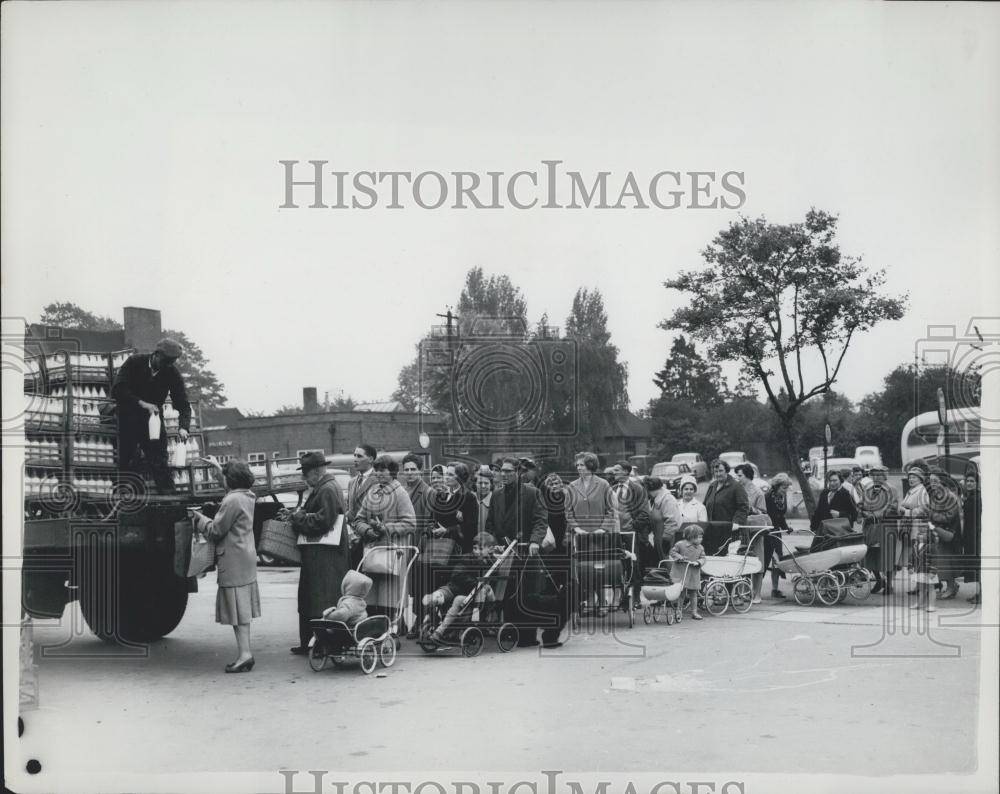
{"x":147,"y":604}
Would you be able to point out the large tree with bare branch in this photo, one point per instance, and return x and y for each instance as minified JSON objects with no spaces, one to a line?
{"x":782,"y":301}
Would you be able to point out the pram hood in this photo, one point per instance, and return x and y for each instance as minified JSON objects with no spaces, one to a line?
{"x":356,"y":584}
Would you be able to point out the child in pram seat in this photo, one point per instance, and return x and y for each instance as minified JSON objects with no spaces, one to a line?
{"x":463,"y":580}
{"x":351,"y":607}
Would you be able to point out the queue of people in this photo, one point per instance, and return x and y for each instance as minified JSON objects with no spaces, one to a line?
{"x":458,"y":520}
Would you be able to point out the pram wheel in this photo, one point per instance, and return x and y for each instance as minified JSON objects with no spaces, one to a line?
{"x":716,"y":598}
{"x":317,"y":657}
{"x":827,"y":589}
{"x":472,"y":642}
{"x":668,"y":614}
{"x":387,"y":652}
{"x":859,"y":584}
{"x":507,"y":637}
{"x":742,"y":596}
{"x":648,"y":616}
{"x":368,"y":654}
{"x":804,"y":591}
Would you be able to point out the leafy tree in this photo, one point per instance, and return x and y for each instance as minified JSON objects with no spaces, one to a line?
{"x":202,"y":384}
{"x":602,"y":380}
{"x":69,"y":315}
{"x":770,"y":295}
{"x":904,"y":394}
{"x":687,"y":376}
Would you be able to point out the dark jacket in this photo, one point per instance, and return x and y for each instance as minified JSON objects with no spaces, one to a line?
{"x":466,"y":574}
{"x":458,"y":513}
{"x":776,"y":513}
{"x":517,"y":513}
{"x":420,"y":499}
{"x":727,"y":502}
{"x":633,"y":509}
{"x":323,"y":567}
{"x":135,"y":381}
{"x":842,"y":502}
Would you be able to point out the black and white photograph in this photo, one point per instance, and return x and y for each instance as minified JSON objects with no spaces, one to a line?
{"x":500,"y":397}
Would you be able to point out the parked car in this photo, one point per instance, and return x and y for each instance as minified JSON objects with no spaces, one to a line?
{"x":868,"y":457}
{"x":733,"y":458}
{"x":817,"y":452}
{"x":818,"y":478}
{"x":699,"y":466}
{"x":670,"y":474}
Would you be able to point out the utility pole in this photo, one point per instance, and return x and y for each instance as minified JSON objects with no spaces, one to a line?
{"x":450,"y":318}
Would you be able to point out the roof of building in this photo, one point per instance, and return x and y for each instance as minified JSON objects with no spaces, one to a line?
{"x":626,"y":424}
{"x":388,"y":406}
{"x":221,"y":417}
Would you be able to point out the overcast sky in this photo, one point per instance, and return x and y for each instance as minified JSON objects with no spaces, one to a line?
{"x":141,"y":146}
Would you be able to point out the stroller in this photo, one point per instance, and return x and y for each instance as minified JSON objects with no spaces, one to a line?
{"x":830,"y":568}
{"x":475,"y":621}
{"x":373,"y":638}
{"x":662,"y":594}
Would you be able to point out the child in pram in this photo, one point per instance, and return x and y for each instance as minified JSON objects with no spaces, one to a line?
{"x":464,"y":579}
{"x":351,"y":607}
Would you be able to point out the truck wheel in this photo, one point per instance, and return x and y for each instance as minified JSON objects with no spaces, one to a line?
{"x":148,"y":603}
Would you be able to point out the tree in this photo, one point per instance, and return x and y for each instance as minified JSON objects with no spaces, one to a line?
{"x":770,"y":295}
{"x":602,"y":380}
{"x":69,"y":315}
{"x":200,"y":381}
{"x":202,"y":384}
{"x":688,"y":377}
{"x":906,"y":393}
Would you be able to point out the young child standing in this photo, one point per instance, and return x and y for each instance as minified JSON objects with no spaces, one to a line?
{"x":687,"y":556}
{"x":925,"y":546}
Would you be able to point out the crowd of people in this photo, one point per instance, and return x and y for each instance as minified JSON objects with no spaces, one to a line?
{"x":461,"y":517}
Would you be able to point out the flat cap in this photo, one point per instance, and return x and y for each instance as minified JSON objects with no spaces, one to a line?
{"x":171,"y":348}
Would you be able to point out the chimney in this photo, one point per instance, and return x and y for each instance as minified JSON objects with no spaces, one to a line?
{"x":142,"y":328}
{"x":309,"y":402}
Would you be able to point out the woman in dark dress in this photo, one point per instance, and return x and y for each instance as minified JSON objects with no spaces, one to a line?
{"x":834,"y":502}
{"x":972,"y":530}
{"x":945,"y":513}
{"x":455,"y":509}
{"x":776,"y":501}
{"x":558,"y":594}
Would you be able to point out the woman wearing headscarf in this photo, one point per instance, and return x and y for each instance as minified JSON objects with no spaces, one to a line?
{"x":877,"y":501}
{"x":237,"y":600}
{"x":690,"y":509}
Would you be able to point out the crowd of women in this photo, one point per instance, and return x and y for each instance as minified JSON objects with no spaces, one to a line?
{"x":443,"y":511}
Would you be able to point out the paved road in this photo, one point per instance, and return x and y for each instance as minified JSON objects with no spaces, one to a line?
{"x":781,"y":688}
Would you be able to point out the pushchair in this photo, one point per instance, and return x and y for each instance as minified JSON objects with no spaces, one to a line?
{"x":830,"y":568}
{"x":475,"y":621}
{"x":605,"y":564}
{"x":370,"y":640}
{"x":662,"y":594}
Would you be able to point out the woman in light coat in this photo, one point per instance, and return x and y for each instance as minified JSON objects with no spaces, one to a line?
{"x":237,"y":600}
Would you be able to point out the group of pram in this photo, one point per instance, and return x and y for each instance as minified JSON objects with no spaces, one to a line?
{"x":469,"y":607}
{"x":466,"y":607}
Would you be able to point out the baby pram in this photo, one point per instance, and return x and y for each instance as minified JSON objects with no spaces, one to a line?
{"x":662,"y":594}
{"x":475,"y":621}
{"x":370,"y":640}
{"x":830,"y":568}
{"x":605,"y":565}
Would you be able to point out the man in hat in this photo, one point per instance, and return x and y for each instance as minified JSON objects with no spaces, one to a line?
{"x":325,"y":558}
{"x":139,"y":390}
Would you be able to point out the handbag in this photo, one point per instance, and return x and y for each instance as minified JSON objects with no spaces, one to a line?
{"x":202,"y":555}
{"x":550,"y":540}
{"x":385,"y":560}
{"x":438,"y":551}
{"x":278,"y":539}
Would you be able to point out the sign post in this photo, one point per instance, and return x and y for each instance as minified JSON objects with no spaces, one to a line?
{"x":943,"y":419}
{"x":827,"y":438}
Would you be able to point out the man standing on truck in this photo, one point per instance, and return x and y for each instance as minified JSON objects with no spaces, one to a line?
{"x":140,"y":388}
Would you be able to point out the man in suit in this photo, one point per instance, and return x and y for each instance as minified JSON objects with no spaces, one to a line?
{"x":633,"y":515}
{"x":363,"y":482}
{"x":419,"y":492}
{"x":518,"y":513}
